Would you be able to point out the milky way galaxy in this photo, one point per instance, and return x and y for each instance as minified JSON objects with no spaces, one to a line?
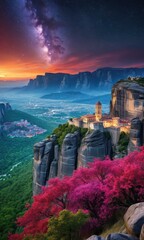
{"x":47,"y":24}
{"x":69,"y":36}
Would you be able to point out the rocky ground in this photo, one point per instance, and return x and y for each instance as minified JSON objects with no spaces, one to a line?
{"x":133,"y":225}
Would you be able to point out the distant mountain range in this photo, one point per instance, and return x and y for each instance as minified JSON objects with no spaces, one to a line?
{"x":103,"y":78}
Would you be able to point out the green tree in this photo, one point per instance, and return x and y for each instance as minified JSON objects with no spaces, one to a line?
{"x":67,"y":226}
{"x":123,"y":141}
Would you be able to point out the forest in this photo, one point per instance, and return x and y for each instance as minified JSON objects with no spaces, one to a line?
{"x":16,"y":180}
{"x":93,"y":196}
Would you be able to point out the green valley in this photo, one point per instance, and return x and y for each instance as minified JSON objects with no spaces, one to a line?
{"x":16,"y":171}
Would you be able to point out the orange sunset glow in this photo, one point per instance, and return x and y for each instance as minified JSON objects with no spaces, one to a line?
{"x":32,"y":44}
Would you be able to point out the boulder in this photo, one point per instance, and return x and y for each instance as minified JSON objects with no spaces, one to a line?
{"x":142,"y":233}
{"x":120,"y":236}
{"x":94,"y":237}
{"x":134,"y":219}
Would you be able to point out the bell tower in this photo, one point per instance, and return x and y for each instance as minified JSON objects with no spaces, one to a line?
{"x":98,"y":111}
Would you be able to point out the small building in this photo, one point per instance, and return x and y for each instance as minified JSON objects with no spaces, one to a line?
{"x":88,"y":118}
{"x":97,"y":121}
{"x":98,"y":111}
{"x":97,"y":126}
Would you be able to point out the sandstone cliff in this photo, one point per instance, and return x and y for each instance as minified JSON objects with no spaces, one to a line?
{"x":128,"y":99}
{"x":102,"y":78}
{"x":49,"y":162}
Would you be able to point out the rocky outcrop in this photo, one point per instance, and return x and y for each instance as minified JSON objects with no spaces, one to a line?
{"x":134,"y":219}
{"x":127,"y":99}
{"x":120,"y":236}
{"x":69,"y":152}
{"x":142,"y":233}
{"x":136,"y":134}
{"x":94,"y":145}
{"x":134,"y":224}
{"x":83,"y":81}
{"x":3,"y":108}
{"x":94,"y":237}
{"x":45,"y":163}
{"x":49,"y":162}
{"x":114,"y":236}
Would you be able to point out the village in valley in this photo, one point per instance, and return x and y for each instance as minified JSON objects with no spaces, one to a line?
{"x":21,"y":129}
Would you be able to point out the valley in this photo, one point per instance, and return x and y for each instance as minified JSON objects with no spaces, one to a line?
{"x":17,"y":153}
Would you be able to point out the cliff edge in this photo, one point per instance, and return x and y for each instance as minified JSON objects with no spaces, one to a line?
{"x":128,"y":99}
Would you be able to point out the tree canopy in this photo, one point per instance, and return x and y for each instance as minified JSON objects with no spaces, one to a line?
{"x":100,"y":190}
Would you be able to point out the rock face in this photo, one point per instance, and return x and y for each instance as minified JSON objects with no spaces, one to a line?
{"x":142,"y":233}
{"x":45,"y":163}
{"x":69,"y":152}
{"x":49,"y":162}
{"x":134,"y":223}
{"x":134,"y":219}
{"x":94,"y":145}
{"x":3,"y":108}
{"x":113,"y":236}
{"x":120,"y":236}
{"x":94,"y":237}
{"x":127,"y":100}
{"x":136,"y":134}
{"x":84,"y":81}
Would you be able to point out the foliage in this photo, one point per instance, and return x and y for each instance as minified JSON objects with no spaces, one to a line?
{"x":15,"y":192}
{"x":140,"y":81}
{"x":101,"y":189}
{"x":64,"y":129}
{"x":123,"y":142}
{"x":16,"y":182}
{"x":66,"y":226}
{"x":17,"y":150}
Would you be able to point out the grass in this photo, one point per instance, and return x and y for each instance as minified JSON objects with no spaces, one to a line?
{"x":117,"y":227}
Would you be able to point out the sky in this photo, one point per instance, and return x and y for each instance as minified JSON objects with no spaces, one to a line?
{"x":38,"y":36}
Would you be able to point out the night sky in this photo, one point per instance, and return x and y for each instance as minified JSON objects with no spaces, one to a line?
{"x":38,"y":36}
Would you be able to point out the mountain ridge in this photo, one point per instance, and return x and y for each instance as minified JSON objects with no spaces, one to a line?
{"x":102,"y":78}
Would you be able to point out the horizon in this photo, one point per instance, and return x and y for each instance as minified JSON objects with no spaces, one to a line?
{"x":43,"y":74}
{"x":45,"y":36}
